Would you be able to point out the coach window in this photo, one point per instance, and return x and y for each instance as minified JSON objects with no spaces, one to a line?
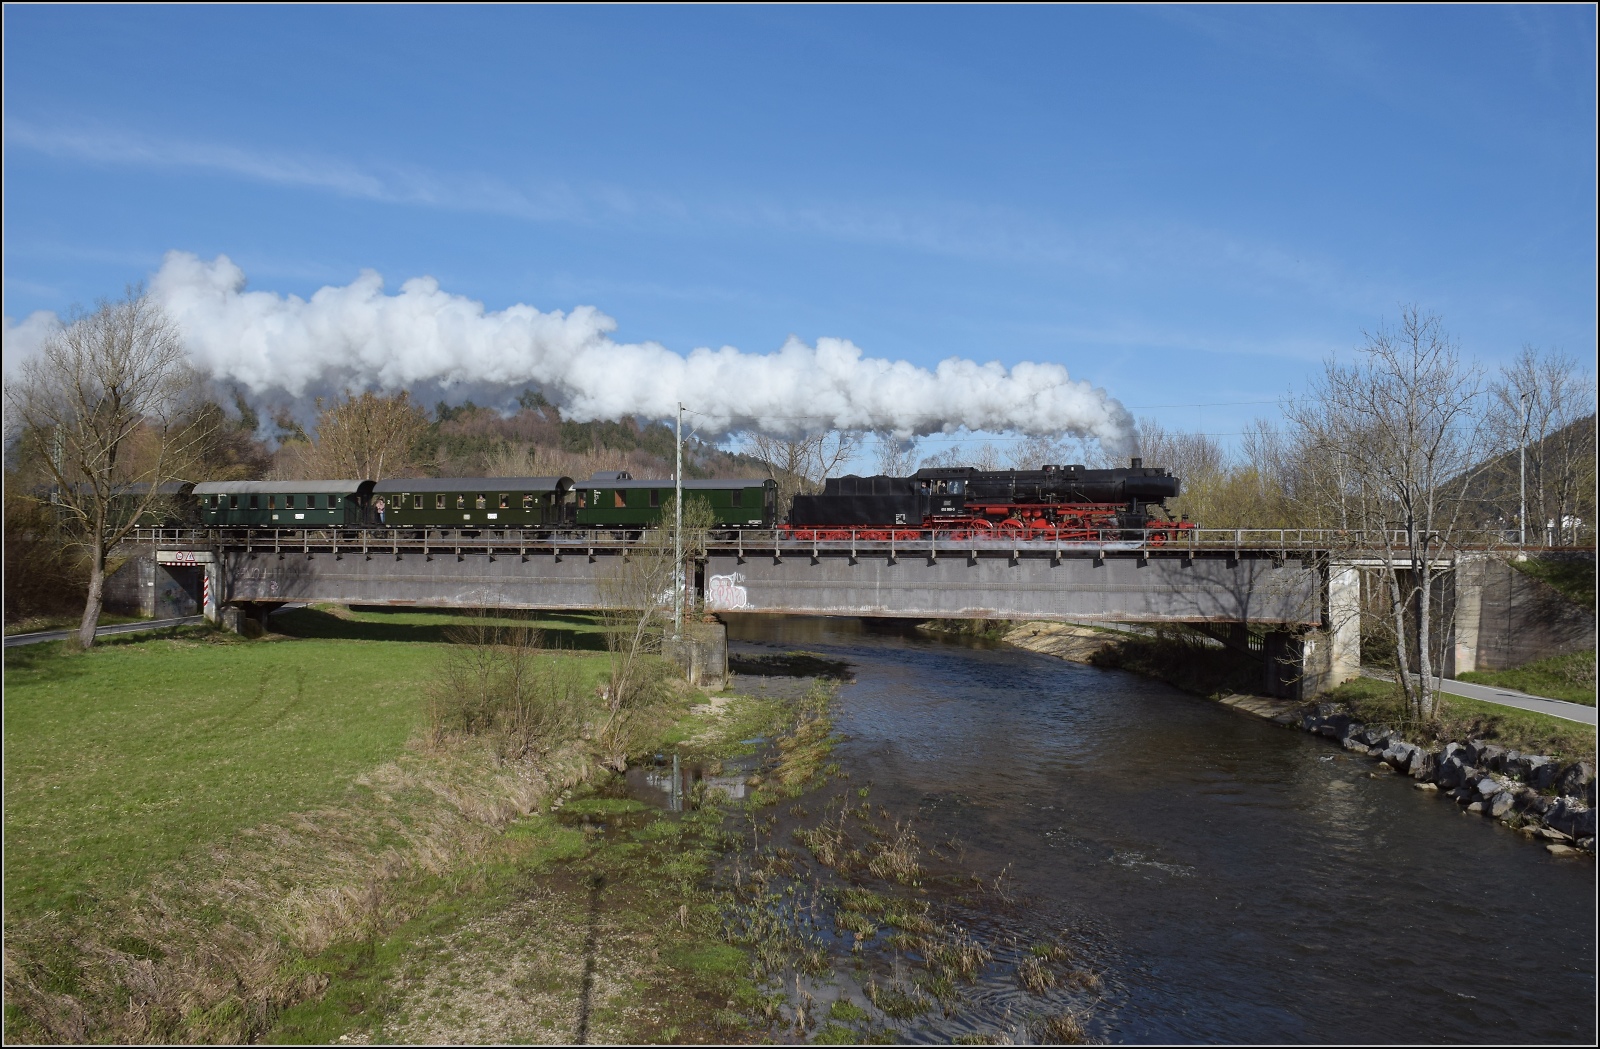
{"x":655,"y":497}
{"x":416,"y":502}
{"x":619,"y":499}
{"x":233,"y":502}
{"x":272,"y":502}
{"x":438,"y":502}
{"x":288,"y":502}
{"x":505,"y":501}
{"x":527,"y":502}
{"x":736,"y":498}
{"x":483,"y":501}
{"x":461,"y":502}
{"x":255,"y":502}
{"x":213,"y":502}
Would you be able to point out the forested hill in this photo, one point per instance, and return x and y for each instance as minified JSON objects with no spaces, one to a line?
{"x":469,"y":441}
{"x":1560,"y":483}
{"x":353,"y":436}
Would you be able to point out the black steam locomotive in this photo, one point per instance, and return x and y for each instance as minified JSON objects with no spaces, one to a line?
{"x":1057,"y":502}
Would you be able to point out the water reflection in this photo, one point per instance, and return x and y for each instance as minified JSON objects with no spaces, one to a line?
{"x":653,"y":784}
{"x":1244,"y":889}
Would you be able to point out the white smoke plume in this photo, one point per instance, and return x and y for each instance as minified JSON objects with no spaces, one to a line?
{"x":358,"y":336}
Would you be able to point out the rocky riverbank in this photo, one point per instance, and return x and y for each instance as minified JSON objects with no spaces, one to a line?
{"x":1527,"y":792}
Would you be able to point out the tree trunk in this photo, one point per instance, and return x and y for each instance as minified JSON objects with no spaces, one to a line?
{"x":1402,"y":655}
{"x":97,"y":585}
{"x":1424,"y":706}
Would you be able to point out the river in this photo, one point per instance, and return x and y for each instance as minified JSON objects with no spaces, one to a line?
{"x":1239,"y":882}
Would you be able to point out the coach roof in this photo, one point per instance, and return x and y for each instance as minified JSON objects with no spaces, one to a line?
{"x":473,"y":484}
{"x":351,"y":487}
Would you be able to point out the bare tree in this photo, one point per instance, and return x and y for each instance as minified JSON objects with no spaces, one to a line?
{"x":1032,"y":453}
{"x":985,"y":457}
{"x":369,"y":436}
{"x":1538,"y":402}
{"x":801,"y":464}
{"x":896,"y":458}
{"x":636,"y":597}
{"x":114,"y":399}
{"x":1403,"y":425}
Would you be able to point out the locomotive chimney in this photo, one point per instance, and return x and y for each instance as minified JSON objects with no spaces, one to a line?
{"x":1137,"y":462}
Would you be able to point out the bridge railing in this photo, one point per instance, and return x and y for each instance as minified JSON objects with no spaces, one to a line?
{"x":1281,"y":541}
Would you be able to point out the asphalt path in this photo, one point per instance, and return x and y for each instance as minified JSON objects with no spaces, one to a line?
{"x":1508,"y":698}
{"x":13,"y":640}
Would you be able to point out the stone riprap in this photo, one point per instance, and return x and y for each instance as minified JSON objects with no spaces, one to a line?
{"x":1550,"y":802}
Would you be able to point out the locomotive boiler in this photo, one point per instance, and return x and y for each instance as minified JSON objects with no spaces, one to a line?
{"x":1055,"y":502}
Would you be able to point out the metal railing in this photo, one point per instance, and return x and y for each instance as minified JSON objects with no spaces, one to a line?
{"x":433,"y":541}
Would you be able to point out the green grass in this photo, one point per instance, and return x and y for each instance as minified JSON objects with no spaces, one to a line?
{"x":127,"y":763}
{"x":120,"y":760}
{"x":1573,"y":576}
{"x":1570,"y":677}
{"x":1459,"y":719}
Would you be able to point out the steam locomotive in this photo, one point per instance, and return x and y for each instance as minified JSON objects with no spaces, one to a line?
{"x":1056,"y":502}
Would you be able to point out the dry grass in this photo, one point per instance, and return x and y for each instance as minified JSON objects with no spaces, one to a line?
{"x":1035,"y":974}
{"x":207,"y":951}
{"x":1061,"y":1029}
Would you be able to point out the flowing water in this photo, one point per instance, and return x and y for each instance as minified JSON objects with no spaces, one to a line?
{"x":1236,"y":881}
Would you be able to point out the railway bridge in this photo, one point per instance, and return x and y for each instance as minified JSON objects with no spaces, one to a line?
{"x":1294,"y":590}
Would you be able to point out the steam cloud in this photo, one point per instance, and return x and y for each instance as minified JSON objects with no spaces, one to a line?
{"x":357,"y":335}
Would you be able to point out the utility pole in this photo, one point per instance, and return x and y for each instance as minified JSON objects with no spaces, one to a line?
{"x":677,"y":538}
{"x":1522,"y":476}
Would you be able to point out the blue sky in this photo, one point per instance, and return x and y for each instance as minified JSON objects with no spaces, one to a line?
{"x":1186,"y":205}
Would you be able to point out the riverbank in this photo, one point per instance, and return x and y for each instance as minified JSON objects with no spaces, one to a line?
{"x":1533,"y":773}
{"x":218,"y":839}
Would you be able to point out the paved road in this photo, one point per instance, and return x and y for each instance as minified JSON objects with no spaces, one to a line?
{"x":1509,"y":698}
{"x":13,"y":640}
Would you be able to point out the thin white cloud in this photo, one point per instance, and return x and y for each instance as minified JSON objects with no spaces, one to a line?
{"x":996,"y":235}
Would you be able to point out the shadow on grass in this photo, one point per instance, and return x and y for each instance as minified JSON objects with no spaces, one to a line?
{"x":792,"y":664}
{"x":379,"y":624}
{"x":54,"y":661}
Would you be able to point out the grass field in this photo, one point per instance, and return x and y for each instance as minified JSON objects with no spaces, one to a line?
{"x":1570,"y":677}
{"x":206,"y":795}
{"x":120,"y":760}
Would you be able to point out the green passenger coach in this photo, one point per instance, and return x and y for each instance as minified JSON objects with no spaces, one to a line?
{"x":616,"y":500}
{"x":282,"y":504}
{"x":472,"y":502}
